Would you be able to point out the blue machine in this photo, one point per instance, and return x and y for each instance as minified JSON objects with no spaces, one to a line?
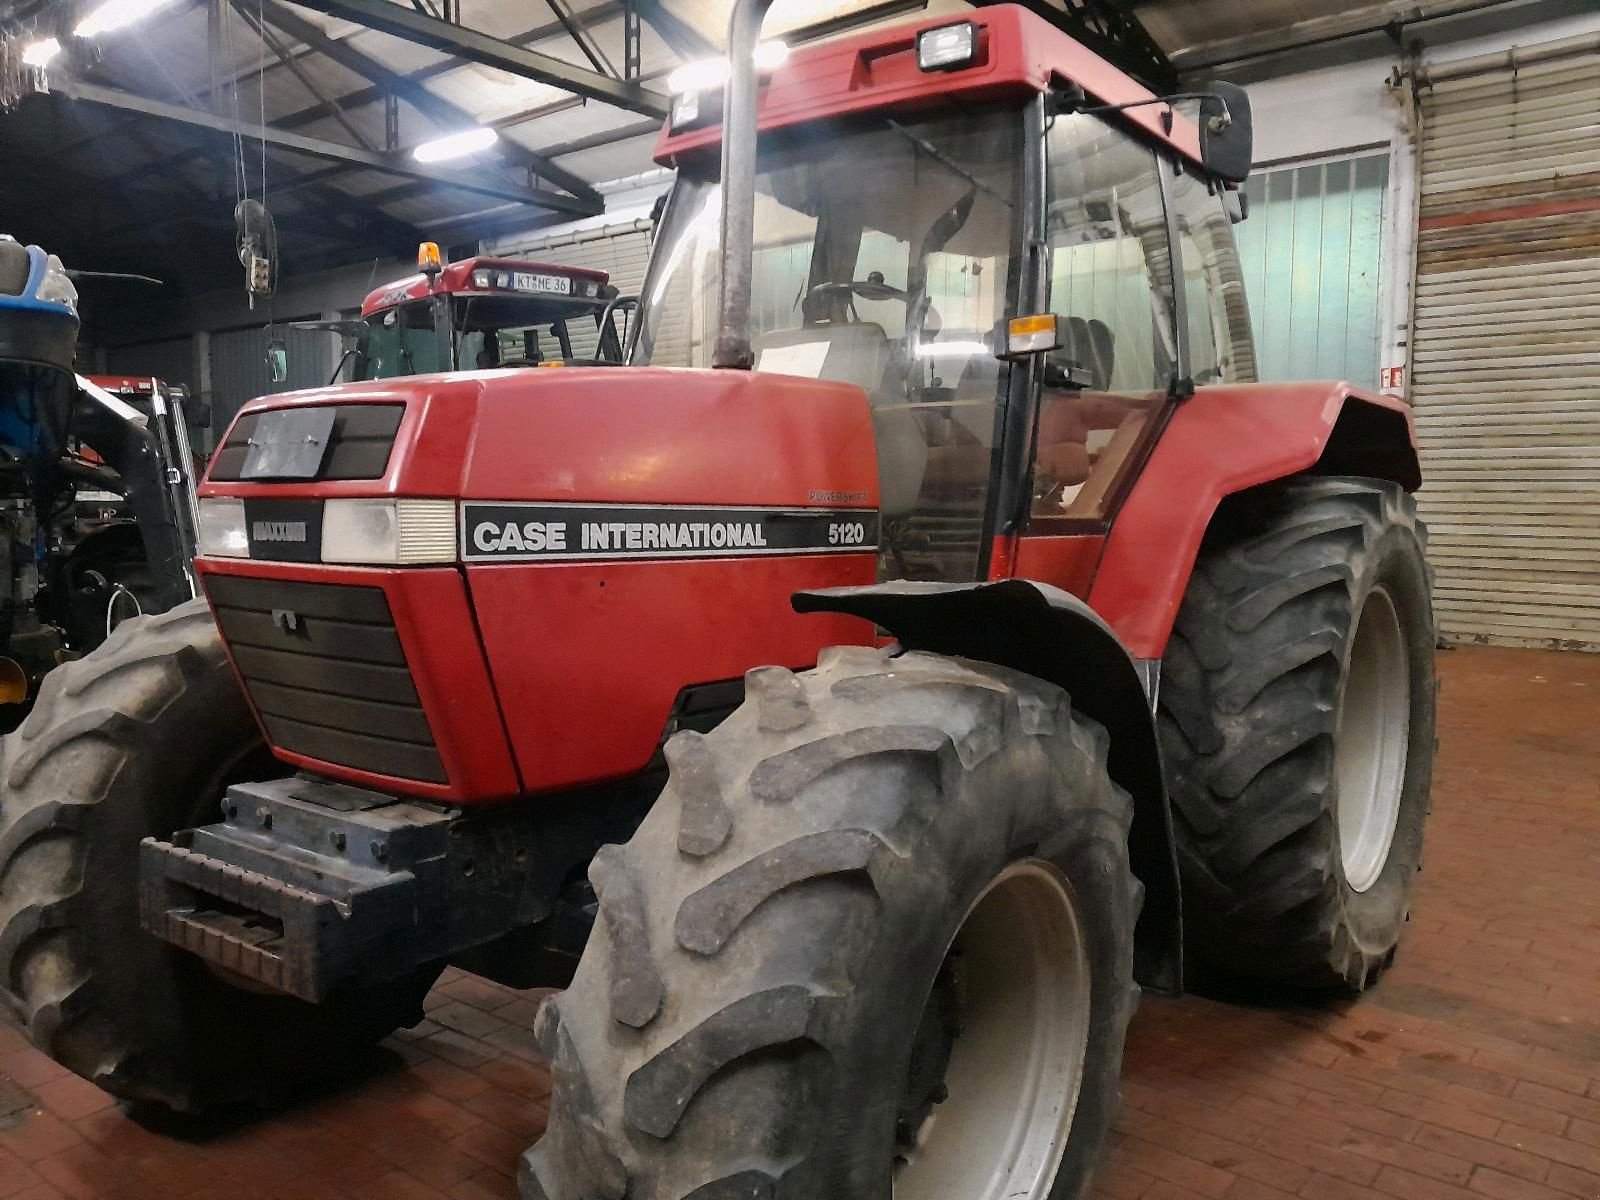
{"x":38,"y":337}
{"x":62,"y":577}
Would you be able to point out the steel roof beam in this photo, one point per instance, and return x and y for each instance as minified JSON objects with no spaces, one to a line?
{"x":375,"y":92}
{"x":318,"y":148}
{"x":684,"y":39}
{"x":436,"y":108}
{"x":412,"y":26}
{"x":274,"y":43}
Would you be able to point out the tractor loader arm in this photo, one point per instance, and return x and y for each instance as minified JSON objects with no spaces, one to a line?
{"x":1053,"y":636}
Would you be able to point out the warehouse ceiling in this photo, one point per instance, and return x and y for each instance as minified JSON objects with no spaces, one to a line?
{"x":131,"y":149}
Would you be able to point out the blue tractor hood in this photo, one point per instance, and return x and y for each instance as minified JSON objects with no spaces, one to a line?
{"x":38,"y":341}
{"x":38,"y":309}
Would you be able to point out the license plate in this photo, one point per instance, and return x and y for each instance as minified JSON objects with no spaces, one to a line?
{"x":524,"y":281}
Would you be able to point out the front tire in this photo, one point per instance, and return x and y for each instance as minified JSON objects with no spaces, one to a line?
{"x":876,"y":934}
{"x":139,"y":739}
{"x":1296,"y":712}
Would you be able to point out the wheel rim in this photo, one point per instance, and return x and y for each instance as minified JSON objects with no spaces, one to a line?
{"x":1016,"y":1067}
{"x":1370,"y":749}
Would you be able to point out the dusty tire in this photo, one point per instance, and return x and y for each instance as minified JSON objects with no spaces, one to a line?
{"x":1275,"y":633}
{"x":743,"y":1020}
{"x":139,"y":738}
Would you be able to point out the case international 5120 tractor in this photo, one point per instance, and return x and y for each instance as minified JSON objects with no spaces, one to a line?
{"x":488,"y":659}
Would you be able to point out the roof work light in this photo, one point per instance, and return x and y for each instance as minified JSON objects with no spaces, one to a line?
{"x":947,"y":47}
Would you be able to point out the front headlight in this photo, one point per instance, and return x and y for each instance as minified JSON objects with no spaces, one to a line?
{"x":222,"y":528}
{"x":391,"y":532}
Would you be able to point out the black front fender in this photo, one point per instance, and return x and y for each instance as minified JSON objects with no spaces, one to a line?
{"x":1054,"y":636}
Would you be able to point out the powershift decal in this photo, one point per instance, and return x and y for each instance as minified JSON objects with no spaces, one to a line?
{"x":527,"y":532}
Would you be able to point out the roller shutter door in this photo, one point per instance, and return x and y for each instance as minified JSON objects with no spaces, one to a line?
{"x":620,"y":251}
{"x":1506,"y":349}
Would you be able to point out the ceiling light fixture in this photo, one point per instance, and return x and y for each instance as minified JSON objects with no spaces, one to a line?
{"x":40,"y":53}
{"x":116,"y":14}
{"x":771,"y":55}
{"x":456,"y":145}
{"x":708,"y":73}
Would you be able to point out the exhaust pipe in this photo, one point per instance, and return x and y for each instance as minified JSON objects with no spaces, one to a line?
{"x":739,"y":125}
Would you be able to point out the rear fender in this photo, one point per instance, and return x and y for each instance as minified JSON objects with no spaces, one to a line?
{"x":1047,"y":633}
{"x":1224,"y":439}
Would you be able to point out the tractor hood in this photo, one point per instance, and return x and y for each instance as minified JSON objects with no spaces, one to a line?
{"x":466,"y":587}
{"x":621,"y":435}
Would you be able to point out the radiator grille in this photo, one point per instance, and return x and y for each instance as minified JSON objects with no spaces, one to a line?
{"x":358,"y":445}
{"x":326,"y":671}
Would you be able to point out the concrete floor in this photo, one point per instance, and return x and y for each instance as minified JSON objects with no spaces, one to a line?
{"x":1471,"y":1071}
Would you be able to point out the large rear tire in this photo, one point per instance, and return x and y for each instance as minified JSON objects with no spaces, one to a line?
{"x":139,"y":739}
{"x":1296,"y":713}
{"x":877,"y":933}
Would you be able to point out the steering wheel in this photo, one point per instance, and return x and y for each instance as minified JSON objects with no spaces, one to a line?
{"x":871,"y":288}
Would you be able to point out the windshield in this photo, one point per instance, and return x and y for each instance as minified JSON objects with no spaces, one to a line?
{"x":885,"y":255}
{"x":904,"y":224}
{"x":400,"y":341}
{"x":487,"y":331}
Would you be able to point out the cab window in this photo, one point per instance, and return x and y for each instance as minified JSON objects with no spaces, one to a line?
{"x":1221,"y":349}
{"x":1111,"y":280}
{"x":401,"y":341}
{"x":884,"y":256}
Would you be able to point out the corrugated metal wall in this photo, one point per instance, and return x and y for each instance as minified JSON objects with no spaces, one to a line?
{"x":170,"y":360}
{"x":239,"y":370}
{"x":1311,"y":250}
{"x":1506,"y":351}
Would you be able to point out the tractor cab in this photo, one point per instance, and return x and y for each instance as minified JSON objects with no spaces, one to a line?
{"x":907,"y":212}
{"x":482,"y":314}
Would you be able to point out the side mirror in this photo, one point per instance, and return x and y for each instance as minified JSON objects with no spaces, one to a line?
{"x":197,"y":412}
{"x":278,"y":360}
{"x":1226,"y":133}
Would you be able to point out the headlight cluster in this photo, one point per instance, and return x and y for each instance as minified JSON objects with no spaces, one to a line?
{"x":386,"y":532}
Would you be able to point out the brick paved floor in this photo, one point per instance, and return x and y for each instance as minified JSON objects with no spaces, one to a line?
{"x":1472,"y":1071}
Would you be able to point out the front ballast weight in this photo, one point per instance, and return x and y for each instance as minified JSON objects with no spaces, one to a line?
{"x":305,"y":886}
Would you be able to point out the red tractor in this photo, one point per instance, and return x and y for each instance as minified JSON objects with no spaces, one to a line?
{"x":480,"y":314}
{"x":960,"y":357}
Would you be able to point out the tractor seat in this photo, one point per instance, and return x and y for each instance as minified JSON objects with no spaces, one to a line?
{"x":856,"y":352}
{"x":14,"y":269}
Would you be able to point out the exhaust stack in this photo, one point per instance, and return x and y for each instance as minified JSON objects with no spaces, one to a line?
{"x":739,"y":126}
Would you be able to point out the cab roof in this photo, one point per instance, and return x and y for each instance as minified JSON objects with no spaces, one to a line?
{"x":1019,"y":53}
{"x":457,"y":277}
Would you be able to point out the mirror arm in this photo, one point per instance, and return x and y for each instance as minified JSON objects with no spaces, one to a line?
{"x":1071,"y":102}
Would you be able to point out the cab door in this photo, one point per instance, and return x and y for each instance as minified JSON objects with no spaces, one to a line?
{"x":1102,"y":397}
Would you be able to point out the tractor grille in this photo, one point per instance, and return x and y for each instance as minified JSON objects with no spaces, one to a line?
{"x":326,"y":671}
{"x":358,"y":445}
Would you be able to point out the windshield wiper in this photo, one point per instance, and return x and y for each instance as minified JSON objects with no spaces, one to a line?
{"x":940,"y":156}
